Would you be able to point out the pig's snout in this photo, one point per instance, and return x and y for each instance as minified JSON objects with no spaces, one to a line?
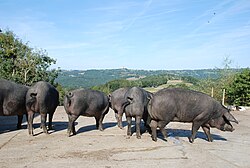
{"x":228,"y":128}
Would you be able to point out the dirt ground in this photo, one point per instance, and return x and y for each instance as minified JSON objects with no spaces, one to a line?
{"x":110,"y":148}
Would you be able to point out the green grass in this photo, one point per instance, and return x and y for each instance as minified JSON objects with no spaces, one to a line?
{"x":170,"y":83}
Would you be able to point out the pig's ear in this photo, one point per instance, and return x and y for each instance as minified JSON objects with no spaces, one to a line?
{"x":230,"y":117}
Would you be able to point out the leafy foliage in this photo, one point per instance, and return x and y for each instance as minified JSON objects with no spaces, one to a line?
{"x":62,"y":92}
{"x":239,"y":89}
{"x":22,"y":64}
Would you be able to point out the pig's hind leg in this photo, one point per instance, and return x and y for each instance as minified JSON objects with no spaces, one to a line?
{"x":206,"y":130}
{"x":161,"y":125}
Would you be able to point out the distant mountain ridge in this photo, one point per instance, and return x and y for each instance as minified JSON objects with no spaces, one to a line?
{"x":93,"y":77}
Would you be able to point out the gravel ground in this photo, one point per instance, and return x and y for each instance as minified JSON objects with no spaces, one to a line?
{"x":110,"y":148}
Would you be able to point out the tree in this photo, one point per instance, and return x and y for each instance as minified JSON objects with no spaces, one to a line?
{"x":239,"y":89}
{"x":23,"y":64}
{"x":62,"y":92}
{"x":226,"y":76}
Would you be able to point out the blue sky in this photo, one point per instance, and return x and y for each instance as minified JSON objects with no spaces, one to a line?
{"x":136,"y":34}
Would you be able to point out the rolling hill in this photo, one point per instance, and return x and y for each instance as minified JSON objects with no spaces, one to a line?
{"x":89,"y":78}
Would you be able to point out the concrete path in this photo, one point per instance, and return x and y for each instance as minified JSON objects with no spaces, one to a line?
{"x":111,"y":148}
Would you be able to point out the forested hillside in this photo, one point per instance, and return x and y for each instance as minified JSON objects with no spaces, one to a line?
{"x":89,"y":78}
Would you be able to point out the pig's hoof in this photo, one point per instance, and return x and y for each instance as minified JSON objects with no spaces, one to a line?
{"x":31,"y":133}
{"x":210,"y":140}
{"x":191,"y":140}
{"x":51,"y":128}
{"x":69,"y":133}
{"x":46,"y":132}
{"x":138,"y":137}
{"x":154,"y":139}
{"x":128,"y":137}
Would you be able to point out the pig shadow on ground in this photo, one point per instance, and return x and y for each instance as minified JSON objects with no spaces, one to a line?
{"x":60,"y":126}
{"x":133,"y":128}
{"x":57,"y":126}
{"x":125,"y":124}
{"x":186,"y":133}
{"x":93,"y":127}
{"x":9,"y":123}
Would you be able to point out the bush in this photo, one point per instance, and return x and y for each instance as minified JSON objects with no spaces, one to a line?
{"x":239,"y":89}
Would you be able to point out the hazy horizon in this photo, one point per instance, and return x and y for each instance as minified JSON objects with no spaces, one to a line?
{"x":215,"y":68}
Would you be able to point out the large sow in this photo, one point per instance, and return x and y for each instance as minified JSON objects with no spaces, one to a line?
{"x":117,"y":100}
{"x":41,"y":98}
{"x":12,"y":100}
{"x":188,"y":106}
{"x":90,"y":103}
{"x":136,"y":106}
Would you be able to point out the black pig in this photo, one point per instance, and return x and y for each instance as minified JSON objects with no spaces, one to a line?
{"x":136,"y":106}
{"x":117,"y":99}
{"x":188,"y":106}
{"x":41,"y":98}
{"x":90,"y":103}
{"x":12,"y":100}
